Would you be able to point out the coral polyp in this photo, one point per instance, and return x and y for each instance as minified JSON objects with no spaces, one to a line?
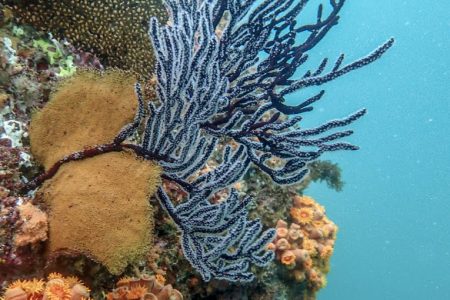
{"x":302,"y":215}
{"x":56,"y":287}
{"x":307,"y":250}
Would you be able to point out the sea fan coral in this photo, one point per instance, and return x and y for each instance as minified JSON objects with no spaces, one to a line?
{"x":103,"y":102}
{"x":221,"y":87}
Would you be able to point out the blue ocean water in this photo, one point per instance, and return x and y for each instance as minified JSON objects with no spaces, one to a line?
{"x":394,"y":211}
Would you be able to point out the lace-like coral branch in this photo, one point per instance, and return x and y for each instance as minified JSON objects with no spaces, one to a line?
{"x":214,"y":87}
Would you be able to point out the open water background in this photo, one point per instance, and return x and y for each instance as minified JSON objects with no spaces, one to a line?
{"x":394,"y":211}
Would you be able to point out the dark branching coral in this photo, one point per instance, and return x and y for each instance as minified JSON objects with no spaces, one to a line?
{"x":115,"y":30}
{"x":212,"y":88}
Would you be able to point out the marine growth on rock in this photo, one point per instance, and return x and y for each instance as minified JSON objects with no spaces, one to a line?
{"x":115,"y":30}
{"x":220,"y":84}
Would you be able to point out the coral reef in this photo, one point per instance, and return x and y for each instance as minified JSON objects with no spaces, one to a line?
{"x":306,"y":245}
{"x":102,"y":102}
{"x":33,"y":226}
{"x":272,"y":201}
{"x":116,"y":31}
{"x":212,"y":88}
{"x":56,"y":287}
{"x":144,"y":287}
{"x":10,"y":162}
{"x":81,"y":192}
{"x":214,"y":129}
{"x":109,"y":195}
{"x":30,"y":64}
{"x":23,"y":226}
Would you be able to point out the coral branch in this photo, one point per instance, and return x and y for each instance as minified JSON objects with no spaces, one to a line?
{"x":86,"y":153}
{"x":231,"y":85}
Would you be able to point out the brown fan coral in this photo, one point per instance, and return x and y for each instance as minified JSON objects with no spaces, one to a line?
{"x":145,"y":287}
{"x":108,"y":195}
{"x":306,"y":245}
{"x":115,"y":30}
{"x":87,"y":109}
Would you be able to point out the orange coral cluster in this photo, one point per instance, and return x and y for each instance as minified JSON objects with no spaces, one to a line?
{"x":306,"y":245}
{"x":145,"y":287}
{"x":34,"y":225}
{"x":57,"y":287}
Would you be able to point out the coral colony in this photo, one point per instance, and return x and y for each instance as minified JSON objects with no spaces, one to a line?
{"x":223,"y":70}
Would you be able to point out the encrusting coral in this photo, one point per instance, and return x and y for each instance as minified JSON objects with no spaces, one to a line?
{"x":145,"y":287}
{"x":23,"y":226}
{"x":33,"y":227}
{"x":305,"y":246}
{"x":56,"y":287}
{"x":87,"y":109}
{"x":109,"y":195}
{"x":115,"y":30}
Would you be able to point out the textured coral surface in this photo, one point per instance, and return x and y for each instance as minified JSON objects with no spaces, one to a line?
{"x":87,"y":109}
{"x":34,"y":225}
{"x":99,"y":207}
{"x":116,"y":30}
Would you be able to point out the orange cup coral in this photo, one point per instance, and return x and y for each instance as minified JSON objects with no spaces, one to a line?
{"x":288,"y":258}
{"x":302,"y":215}
{"x":306,"y":245}
{"x":145,"y":287}
{"x":57,"y":287}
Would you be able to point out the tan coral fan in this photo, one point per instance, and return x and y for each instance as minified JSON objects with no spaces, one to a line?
{"x":99,"y":207}
{"x":88,"y":109}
